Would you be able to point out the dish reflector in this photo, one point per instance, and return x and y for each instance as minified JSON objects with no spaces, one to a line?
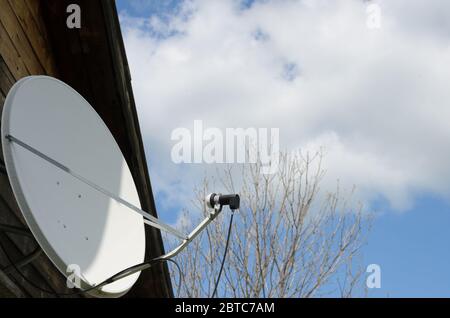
{"x":76,"y":226}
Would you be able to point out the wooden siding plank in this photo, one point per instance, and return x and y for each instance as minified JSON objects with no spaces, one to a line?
{"x":35,"y":8}
{"x":8,"y":288}
{"x":18,"y":246}
{"x":19,"y":38}
{"x":68,"y":57}
{"x":6,"y":79}
{"x":28,"y":271}
{"x":11,"y":56}
{"x":34,"y":35}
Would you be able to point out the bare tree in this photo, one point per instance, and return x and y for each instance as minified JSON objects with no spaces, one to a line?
{"x":289,"y":239}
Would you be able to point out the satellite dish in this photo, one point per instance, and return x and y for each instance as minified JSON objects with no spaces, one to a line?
{"x":79,"y":228}
{"x":75,"y":189}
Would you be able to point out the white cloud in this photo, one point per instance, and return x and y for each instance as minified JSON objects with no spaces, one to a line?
{"x":377,"y":98}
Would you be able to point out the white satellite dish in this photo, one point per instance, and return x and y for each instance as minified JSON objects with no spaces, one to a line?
{"x":73,"y":223}
{"x":76,"y":191}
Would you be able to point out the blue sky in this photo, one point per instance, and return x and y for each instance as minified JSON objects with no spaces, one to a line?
{"x":146,"y":8}
{"x":412,"y":250}
{"x":385,"y":128}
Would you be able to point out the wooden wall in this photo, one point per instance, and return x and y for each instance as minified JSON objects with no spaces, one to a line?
{"x":24,"y":44}
{"x":35,"y":40}
{"x":24,"y":50}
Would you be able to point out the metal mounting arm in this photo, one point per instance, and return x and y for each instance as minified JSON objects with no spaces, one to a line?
{"x":191,"y":236}
{"x":148,"y":218}
{"x":176,"y":250}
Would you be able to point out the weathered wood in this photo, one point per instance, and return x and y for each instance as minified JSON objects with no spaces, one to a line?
{"x":34,"y":34}
{"x":35,"y":7}
{"x":67,"y":53}
{"x":19,"y":38}
{"x":9,"y":288}
{"x":18,"y":246}
{"x":6,"y":78}
{"x":11,"y":56}
{"x":28,"y":271}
